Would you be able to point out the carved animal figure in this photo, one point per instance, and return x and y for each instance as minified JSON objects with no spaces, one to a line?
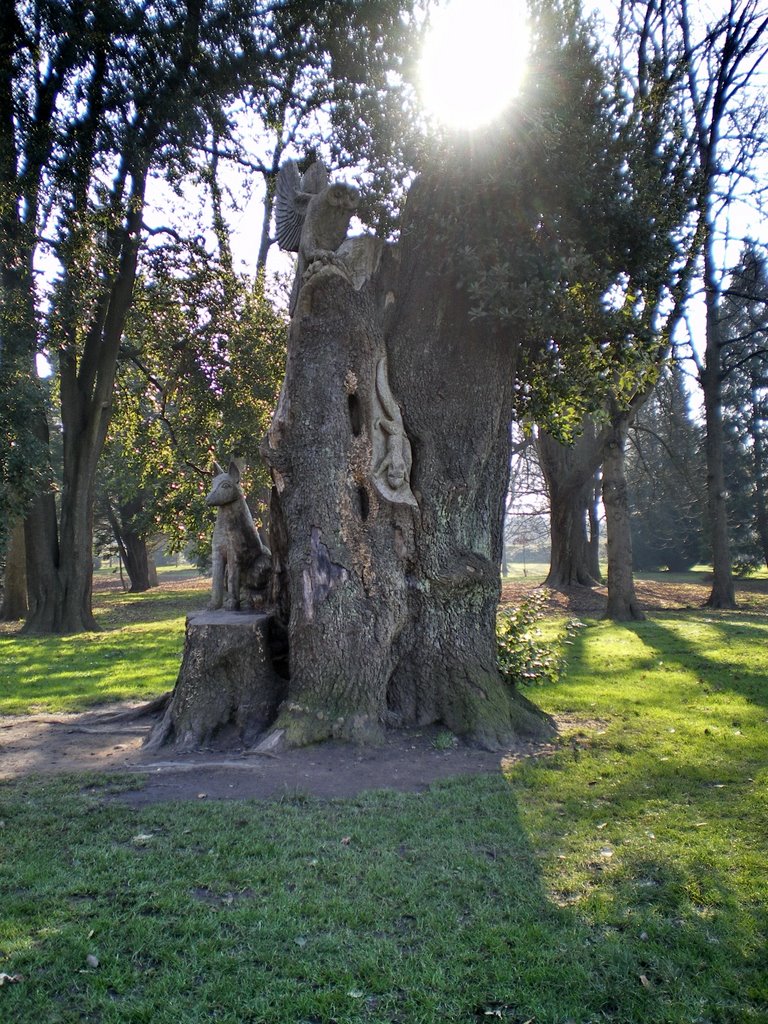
{"x":242,"y":563}
{"x":312,"y":217}
{"x":392,"y":456}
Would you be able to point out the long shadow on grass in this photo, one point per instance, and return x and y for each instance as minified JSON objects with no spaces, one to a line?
{"x":718,"y":673}
{"x":390,"y":909}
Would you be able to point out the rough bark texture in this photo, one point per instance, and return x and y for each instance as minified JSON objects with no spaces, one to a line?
{"x":390,"y":603}
{"x":14,"y":604}
{"x":569,"y":475}
{"x":227,"y":689}
{"x":623,"y":605}
{"x":341,"y":550}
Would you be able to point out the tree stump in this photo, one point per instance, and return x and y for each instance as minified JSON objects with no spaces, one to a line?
{"x":227,"y":689}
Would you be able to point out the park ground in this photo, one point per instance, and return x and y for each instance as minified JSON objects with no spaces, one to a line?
{"x":617,"y":874}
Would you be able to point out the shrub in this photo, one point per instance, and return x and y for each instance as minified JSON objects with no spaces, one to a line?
{"x":522,"y":653}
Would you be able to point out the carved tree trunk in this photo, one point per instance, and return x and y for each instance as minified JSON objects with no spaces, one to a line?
{"x":390,"y":590}
{"x":227,"y":691}
{"x":623,"y":605}
{"x":14,"y":605}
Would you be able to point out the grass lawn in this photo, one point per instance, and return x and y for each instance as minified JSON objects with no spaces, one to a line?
{"x":136,"y":655}
{"x":622,"y":879}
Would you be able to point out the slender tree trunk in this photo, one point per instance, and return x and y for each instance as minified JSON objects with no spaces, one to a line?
{"x":265,"y":240}
{"x":623,"y":605}
{"x":758,"y":461}
{"x":593,"y":517}
{"x":14,"y":605}
{"x":723,"y":593}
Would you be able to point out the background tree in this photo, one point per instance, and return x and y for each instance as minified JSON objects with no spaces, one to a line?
{"x":717,"y":64}
{"x":626,"y":321}
{"x":569,"y":471}
{"x":526,"y":519}
{"x":201,"y":364}
{"x":743,"y":319}
{"x":666,"y":474}
{"x":98,"y":98}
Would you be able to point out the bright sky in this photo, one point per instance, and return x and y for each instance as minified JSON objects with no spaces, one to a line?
{"x":473,"y":61}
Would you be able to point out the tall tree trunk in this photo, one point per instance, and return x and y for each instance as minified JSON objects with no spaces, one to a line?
{"x":758,"y":461}
{"x":14,"y":605}
{"x":593,"y":518}
{"x":60,"y":563}
{"x":723,"y":593}
{"x":135,"y":553}
{"x":569,"y":473}
{"x":623,"y":605}
{"x":390,"y":581}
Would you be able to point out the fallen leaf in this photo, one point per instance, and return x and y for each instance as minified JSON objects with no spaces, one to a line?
{"x":355,"y":993}
{"x":142,"y":838}
{"x":92,"y":961}
{"x":602,"y":824}
{"x":91,"y":933}
{"x":644,"y":981}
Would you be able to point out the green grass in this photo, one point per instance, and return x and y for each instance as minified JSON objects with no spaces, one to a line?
{"x":136,"y":654}
{"x":622,"y":879}
{"x":526,"y":572}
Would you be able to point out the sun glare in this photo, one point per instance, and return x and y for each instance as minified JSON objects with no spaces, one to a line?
{"x":473,"y":60}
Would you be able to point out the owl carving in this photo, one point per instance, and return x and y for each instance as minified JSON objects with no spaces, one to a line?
{"x":312,"y":217}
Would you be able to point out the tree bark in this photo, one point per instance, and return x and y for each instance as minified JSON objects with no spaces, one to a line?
{"x":14,"y":605}
{"x":723,"y":594}
{"x":134,"y":551}
{"x":758,"y":461}
{"x":569,"y":475}
{"x":390,"y":594}
{"x":60,"y":570}
{"x":623,"y":605}
{"x":227,"y":690}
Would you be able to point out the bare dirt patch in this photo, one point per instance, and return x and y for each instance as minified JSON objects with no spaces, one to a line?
{"x":407,"y":761}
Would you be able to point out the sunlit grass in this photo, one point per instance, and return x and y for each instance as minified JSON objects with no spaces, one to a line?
{"x":136,"y":654}
{"x":621,"y":879}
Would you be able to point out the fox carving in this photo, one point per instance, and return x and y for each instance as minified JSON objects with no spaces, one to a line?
{"x":242,"y":563}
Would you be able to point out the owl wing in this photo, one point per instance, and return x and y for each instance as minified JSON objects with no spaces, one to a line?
{"x":292,"y":196}
{"x":289,"y":210}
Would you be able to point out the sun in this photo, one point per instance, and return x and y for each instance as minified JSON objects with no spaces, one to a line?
{"x":473,"y":61}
